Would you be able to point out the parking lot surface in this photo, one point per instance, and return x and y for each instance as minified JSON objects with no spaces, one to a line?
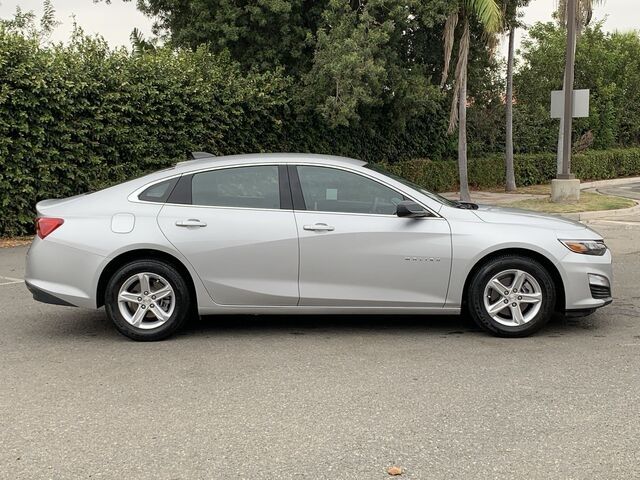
{"x":321,"y":397}
{"x":629,"y":190}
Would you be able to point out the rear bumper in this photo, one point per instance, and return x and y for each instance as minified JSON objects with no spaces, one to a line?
{"x":45,"y":297}
{"x":60,"y":274}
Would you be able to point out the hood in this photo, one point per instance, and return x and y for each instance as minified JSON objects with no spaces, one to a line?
{"x":516,"y":216}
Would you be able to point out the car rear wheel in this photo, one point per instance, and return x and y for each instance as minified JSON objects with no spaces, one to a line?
{"x":511,"y":296}
{"x":147,"y":300}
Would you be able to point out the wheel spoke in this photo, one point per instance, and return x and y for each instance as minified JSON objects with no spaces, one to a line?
{"x":518,"y":280}
{"x":497,"y":307}
{"x":499,"y":287}
{"x":144,"y":282}
{"x":162,"y":292}
{"x":159,"y":313}
{"x":136,"y":320}
{"x":516,"y":314}
{"x":530,"y":297}
{"x":129,"y":297}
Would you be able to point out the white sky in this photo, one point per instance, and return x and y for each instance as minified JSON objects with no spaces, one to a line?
{"x":115,"y":21}
{"x":618,"y":15}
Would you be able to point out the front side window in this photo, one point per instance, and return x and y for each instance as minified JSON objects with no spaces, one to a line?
{"x":408,"y":183}
{"x":247,"y":187}
{"x":328,"y":189}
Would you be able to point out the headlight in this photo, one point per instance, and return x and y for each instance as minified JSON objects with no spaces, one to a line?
{"x":586,"y":247}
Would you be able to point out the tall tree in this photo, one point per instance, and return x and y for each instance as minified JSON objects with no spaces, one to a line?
{"x":259,"y":35}
{"x":584,"y":14}
{"x":364,"y":65}
{"x":487,"y":13}
{"x":510,"y":14}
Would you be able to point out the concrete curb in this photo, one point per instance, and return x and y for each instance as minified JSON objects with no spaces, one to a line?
{"x":609,"y":183}
{"x":582,"y":216}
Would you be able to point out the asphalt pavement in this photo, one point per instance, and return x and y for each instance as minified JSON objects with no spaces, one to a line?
{"x":629,"y":190}
{"x":321,"y":397}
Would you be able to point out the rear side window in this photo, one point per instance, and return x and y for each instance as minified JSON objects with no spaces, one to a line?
{"x":158,"y":192}
{"x":247,"y":187}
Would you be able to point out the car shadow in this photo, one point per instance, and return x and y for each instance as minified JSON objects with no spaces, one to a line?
{"x":303,"y":324}
{"x":83,"y":324}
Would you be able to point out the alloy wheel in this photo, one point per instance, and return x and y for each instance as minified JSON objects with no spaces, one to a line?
{"x":513,"y":297}
{"x":146,"y":300}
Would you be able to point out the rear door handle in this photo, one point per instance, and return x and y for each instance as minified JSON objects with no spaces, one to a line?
{"x":319,"y":227}
{"x":192,"y":222}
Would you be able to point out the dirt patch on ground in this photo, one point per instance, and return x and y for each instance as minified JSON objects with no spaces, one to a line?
{"x":6,"y":242}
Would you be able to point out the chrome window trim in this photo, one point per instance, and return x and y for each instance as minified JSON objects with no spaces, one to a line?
{"x":133,"y":197}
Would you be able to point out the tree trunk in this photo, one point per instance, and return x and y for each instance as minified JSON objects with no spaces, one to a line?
{"x":462,"y":139}
{"x":511,"y":178}
{"x":559,"y":152}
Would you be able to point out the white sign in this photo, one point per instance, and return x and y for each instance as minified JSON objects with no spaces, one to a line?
{"x":580,"y":103}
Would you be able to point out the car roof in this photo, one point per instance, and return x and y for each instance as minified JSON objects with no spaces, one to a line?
{"x":254,"y":158}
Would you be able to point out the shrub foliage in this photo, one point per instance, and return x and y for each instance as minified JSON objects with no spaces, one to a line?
{"x":530,"y":169}
{"x":81,"y":116}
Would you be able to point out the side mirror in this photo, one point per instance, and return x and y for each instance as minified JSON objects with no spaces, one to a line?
{"x":410,"y":209}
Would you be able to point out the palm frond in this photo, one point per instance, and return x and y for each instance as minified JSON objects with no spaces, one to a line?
{"x":487,"y":12}
{"x":448,"y":36}
{"x":584,"y":12}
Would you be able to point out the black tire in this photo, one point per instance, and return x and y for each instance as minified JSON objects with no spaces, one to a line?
{"x":479,"y":281}
{"x":182,"y":298}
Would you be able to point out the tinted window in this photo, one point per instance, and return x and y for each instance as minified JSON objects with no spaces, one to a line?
{"x":415,"y":186}
{"x":250,"y":187}
{"x":158,"y":192}
{"x":332,"y":190}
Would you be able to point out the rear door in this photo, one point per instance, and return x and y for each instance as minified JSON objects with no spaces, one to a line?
{"x":236,"y":227}
{"x":354,"y":250}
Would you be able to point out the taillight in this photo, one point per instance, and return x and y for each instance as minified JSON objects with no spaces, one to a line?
{"x":46,"y":225}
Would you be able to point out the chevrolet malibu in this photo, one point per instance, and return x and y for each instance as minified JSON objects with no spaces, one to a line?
{"x":306,"y":234}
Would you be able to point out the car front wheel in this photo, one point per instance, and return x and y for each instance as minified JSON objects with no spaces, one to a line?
{"x":511,"y":296}
{"x":147,"y":300}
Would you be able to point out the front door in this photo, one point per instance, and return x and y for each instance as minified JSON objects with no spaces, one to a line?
{"x":238,"y":234}
{"x":354,"y":250}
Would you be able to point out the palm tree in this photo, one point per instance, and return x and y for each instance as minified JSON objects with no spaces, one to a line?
{"x":510,"y":14}
{"x":584,"y":13}
{"x":488,"y":15}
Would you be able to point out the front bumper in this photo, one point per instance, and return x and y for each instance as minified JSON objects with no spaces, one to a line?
{"x":588,"y":281}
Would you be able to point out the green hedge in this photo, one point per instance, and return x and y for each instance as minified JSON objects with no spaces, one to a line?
{"x":530,"y":169}
{"x":82,"y":116}
{"x":78,"y":117}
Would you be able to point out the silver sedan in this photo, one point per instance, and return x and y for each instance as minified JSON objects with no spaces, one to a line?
{"x":307,"y":234}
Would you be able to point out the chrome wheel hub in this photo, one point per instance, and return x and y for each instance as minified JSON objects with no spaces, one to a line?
{"x":146,"y":300}
{"x":513,"y":297}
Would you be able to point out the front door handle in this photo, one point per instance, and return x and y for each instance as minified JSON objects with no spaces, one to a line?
{"x":192,"y":222}
{"x":319,"y":227}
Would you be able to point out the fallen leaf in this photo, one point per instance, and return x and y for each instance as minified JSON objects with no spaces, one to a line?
{"x":395,"y":470}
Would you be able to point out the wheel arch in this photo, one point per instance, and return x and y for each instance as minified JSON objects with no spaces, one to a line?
{"x":523,"y":252}
{"x":141,"y":254}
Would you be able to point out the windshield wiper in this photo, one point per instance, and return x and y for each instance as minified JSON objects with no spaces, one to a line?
{"x":466,"y":205}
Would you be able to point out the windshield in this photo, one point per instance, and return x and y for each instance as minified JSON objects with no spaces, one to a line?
{"x":415,"y":186}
